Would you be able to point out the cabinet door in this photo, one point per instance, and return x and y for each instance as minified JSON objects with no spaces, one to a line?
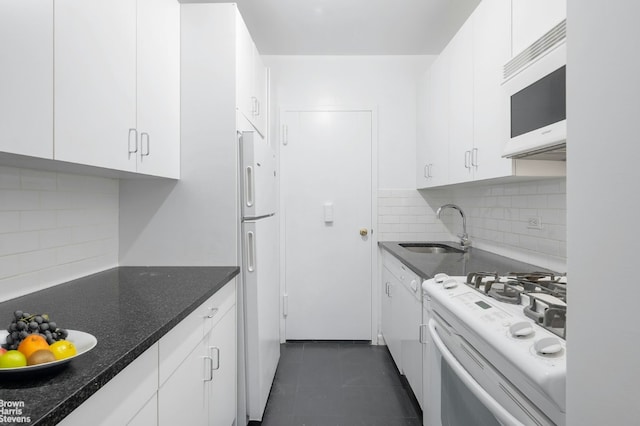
{"x":532,"y":19}
{"x":95,"y":82}
{"x":390,"y":284}
{"x":260,"y":93}
{"x":438,"y":121}
{"x":422,"y":131}
{"x":158,"y":87}
{"x":26,"y":77}
{"x":244,"y":69}
{"x":222,"y":349}
{"x":148,"y":415}
{"x":182,"y":398}
{"x":123,"y":398}
{"x":491,"y":35}
{"x":461,"y":104}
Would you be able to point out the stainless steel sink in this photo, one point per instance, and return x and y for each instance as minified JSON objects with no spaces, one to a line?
{"x":430,"y":248}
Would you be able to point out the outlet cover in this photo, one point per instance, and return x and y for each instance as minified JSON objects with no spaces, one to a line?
{"x":534,"y":223}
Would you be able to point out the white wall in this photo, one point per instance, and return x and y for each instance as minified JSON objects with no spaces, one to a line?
{"x":54,"y":227}
{"x":603,"y":382}
{"x":388,"y":82}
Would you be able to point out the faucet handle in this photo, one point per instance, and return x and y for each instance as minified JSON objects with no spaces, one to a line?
{"x":464,"y":240}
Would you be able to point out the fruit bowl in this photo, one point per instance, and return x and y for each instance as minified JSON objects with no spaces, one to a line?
{"x":83,"y":342}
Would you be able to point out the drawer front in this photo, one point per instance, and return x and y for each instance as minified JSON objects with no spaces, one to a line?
{"x":122,"y":397}
{"x":176,"y":345}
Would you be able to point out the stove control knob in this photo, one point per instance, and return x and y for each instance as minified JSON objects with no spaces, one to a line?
{"x":439,"y":278}
{"x":450,"y":283}
{"x":522,"y":329}
{"x":548,"y":346}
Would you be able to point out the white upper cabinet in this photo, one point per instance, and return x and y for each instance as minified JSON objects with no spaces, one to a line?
{"x":95,"y":83}
{"x":117,"y":84}
{"x":532,"y":19}
{"x":433,"y":125}
{"x":251,"y":90}
{"x":464,"y":129}
{"x":491,"y":48}
{"x":26,"y":77}
{"x":460,"y":50}
{"x":158,"y":88}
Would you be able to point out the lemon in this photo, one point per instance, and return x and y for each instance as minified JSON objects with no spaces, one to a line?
{"x":13,"y":359}
{"x":63,"y":349}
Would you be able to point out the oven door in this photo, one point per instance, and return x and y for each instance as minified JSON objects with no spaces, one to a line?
{"x":459,"y":398}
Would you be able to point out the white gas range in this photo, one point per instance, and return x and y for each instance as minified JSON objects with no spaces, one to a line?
{"x":497,"y":349}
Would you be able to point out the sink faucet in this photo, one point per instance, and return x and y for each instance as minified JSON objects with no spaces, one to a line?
{"x":464,"y":237}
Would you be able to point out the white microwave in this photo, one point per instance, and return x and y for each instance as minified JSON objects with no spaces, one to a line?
{"x":536,"y":108}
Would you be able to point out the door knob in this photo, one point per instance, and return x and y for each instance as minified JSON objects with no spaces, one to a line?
{"x":364,"y":232}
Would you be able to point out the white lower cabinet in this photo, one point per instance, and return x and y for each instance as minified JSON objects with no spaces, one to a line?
{"x":222,"y":349}
{"x":187,"y":378}
{"x":402,"y":319}
{"x":148,"y":415}
{"x":198,"y":366}
{"x":123,"y":398}
{"x":390,"y":284}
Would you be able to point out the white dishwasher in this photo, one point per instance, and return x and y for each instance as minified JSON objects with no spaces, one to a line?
{"x":402,"y":320}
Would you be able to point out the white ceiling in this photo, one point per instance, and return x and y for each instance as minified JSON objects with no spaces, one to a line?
{"x":352,"y":27}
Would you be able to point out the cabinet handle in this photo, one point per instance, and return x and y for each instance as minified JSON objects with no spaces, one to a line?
{"x":389,"y":289}
{"x":423,"y":329}
{"x":426,"y":171}
{"x":213,"y":312}
{"x":430,"y":165}
{"x":210,"y":378}
{"x":133,"y":132}
{"x":251,"y":252}
{"x":217,"y":350}
{"x":248,"y":186}
{"x":254,"y":105}
{"x":467,"y":156}
{"x":142,"y":138}
{"x":474,"y":157}
{"x":257,"y":107}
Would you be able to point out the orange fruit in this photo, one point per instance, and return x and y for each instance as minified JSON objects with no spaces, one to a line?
{"x":41,"y":356}
{"x":13,"y":359}
{"x":63,"y":349}
{"x":32,"y":343}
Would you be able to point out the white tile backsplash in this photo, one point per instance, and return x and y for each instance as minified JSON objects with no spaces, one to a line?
{"x":54,"y":227}
{"x":404,"y":215}
{"x":497,"y":218}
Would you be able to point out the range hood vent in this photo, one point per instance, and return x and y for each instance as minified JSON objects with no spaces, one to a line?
{"x":540,"y":47}
{"x":555,"y":153}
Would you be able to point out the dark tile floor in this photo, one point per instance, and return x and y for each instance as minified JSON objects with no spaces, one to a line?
{"x":339,"y":384}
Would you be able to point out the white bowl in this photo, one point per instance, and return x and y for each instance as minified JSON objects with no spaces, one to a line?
{"x":83,"y":342}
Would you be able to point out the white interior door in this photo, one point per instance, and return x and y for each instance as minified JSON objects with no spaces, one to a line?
{"x":327,"y":188}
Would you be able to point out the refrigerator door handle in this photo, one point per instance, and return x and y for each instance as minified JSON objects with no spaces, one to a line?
{"x":251,"y":251}
{"x":248,"y":186}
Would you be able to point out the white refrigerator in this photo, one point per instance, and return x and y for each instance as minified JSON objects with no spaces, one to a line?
{"x":259,"y":269}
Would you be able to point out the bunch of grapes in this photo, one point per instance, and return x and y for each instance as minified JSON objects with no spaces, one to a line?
{"x":25,"y":324}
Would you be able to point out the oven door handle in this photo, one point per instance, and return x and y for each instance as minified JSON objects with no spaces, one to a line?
{"x":502,"y":415}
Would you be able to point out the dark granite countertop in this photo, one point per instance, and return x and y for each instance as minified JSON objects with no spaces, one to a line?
{"x":127,"y":309}
{"x":474,"y":260}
